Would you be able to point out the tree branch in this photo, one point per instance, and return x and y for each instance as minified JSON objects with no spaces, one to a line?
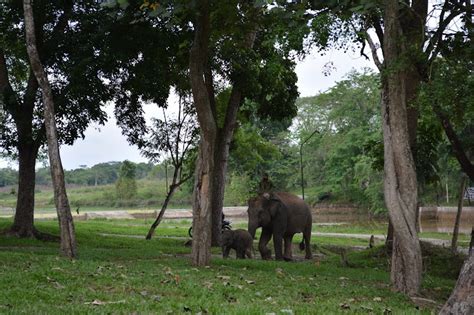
{"x":458,"y":150}
{"x":373,"y":49}
{"x":6,"y":89}
{"x":434,"y":44}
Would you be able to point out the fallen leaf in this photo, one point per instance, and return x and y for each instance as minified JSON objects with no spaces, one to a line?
{"x":239,"y":286}
{"x":250,"y":281}
{"x":58,"y":285}
{"x":186,"y":309}
{"x":223,"y":277}
{"x":387,"y":311}
{"x":366,"y":308}
{"x":143,"y":293}
{"x":156,"y":298}
{"x":279,"y":271}
{"x":287,"y":311}
{"x":268,"y":299}
{"x":99,"y":302}
{"x":343,"y":278}
{"x":377,"y":299}
{"x":344,"y":306}
{"x":208,"y":285}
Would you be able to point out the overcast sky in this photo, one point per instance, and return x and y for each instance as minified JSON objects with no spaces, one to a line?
{"x":106,"y":143}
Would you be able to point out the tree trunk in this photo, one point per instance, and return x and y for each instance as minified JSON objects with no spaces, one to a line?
{"x":23,"y":224}
{"x":220,"y":169}
{"x":202,"y":202}
{"x":221,"y":157}
{"x":169,"y":194}
{"x":461,"y":300}
{"x":66,"y":224}
{"x":471,"y":243}
{"x":389,"y":240}
{"x":400,"y":186}
{"x":454,"y":241}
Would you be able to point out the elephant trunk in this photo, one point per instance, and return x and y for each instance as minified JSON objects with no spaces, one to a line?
{"x":252,"y":229}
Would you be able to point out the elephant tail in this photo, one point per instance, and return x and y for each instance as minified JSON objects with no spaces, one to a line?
{"x":302,"y":246}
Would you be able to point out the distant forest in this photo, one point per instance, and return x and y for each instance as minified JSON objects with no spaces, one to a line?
{"x":99,"y":174}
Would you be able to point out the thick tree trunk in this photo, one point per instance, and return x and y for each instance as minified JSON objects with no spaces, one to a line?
{"x":220,"y":170}
{"x":454,"y":241}
{"x":221,"y":157}
{"x":66,"y":224}
{"x":461,"y":300}
{"x":23,"y":224}
{"x":202,"y":201}
{"x":202,"y":206}
{"x":389,"y":240}
{"x":400,"y":186}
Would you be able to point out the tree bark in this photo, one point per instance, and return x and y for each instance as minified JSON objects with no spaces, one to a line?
{"x":27,"y":146}
{"x":66,"y":224}
{"x":202,"y":198}
{"x":400,"y":186}
{"x":461,"y":300}
{"x":471,"y":243}
{"x":23,"y":224}
{"x":223,"y":140}
{"x":389,"y":240}
{"x":454,"y":241}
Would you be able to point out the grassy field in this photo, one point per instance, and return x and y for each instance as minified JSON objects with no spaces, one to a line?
{"x":117,"y":271}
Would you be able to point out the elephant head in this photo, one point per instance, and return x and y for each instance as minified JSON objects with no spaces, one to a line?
{"x":261,"y":209}
{"x":227,"y":238}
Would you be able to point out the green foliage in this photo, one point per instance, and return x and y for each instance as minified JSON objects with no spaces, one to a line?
{"x":339,"y":158}
{"x":126,"y":185}
{"x":8,"y":177}
{"x":69,"y":55}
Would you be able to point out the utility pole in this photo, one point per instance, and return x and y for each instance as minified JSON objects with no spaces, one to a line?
{"x":301,"y":161}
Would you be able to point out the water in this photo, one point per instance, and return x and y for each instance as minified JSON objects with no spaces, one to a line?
{"x":432,"y":219}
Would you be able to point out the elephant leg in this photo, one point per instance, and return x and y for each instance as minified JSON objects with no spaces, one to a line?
{"x":248,"y":253}
{"x":278,"y":242}
{"x":288,"y":256}
{"x":226,"y":251}
{"x":240,"y":253}
{"x":307,"y":239}
{"x":262,"y":244}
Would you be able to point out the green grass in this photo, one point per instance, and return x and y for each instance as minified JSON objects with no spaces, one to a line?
{"x":130,"y":275}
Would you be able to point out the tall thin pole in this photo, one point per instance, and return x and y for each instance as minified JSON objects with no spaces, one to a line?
{"x":301,"y":161}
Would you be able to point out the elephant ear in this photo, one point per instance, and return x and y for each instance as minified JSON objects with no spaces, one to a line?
{"x":277,"y":207}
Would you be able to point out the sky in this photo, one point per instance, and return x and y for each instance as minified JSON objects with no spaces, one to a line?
{"x":106,"y":143}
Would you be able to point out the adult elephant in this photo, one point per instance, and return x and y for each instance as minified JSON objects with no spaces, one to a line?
{"x":280,"y":215}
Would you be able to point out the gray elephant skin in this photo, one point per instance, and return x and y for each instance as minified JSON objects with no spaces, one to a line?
{"x":280,"y":215}
{"x":240,"y":240}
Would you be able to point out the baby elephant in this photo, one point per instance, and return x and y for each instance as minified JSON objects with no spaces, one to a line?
{"x":240,"y":240}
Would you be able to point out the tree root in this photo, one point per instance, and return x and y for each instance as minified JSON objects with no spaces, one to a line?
{"x":30,"y":233}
